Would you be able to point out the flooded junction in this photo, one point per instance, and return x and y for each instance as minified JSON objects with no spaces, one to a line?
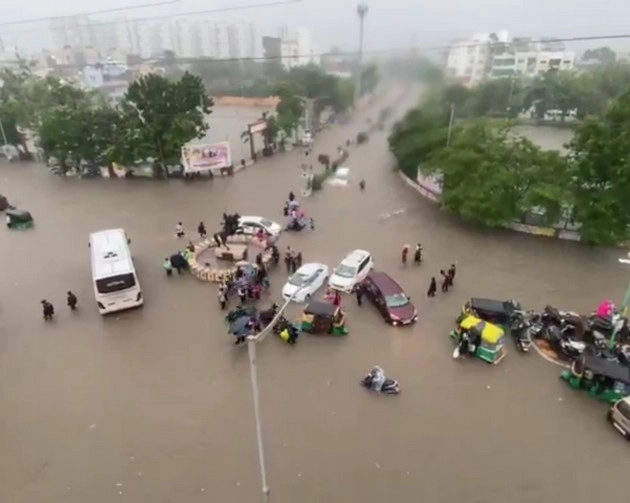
{"x":154,"y":405}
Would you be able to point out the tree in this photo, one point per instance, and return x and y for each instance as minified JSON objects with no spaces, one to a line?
{"x":369,"y":78}
{"x":491,"y":176}
{"x":496,"y":98}
{"x":290,"y":108}
{"x":168,"y":115}
{"x":603,"y":55}
{"x":600,"y":154}
{"x":421,"y":132}
{"x":559,"y":90}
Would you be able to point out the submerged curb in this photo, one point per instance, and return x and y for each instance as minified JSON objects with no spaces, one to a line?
{"x":433,"y":195}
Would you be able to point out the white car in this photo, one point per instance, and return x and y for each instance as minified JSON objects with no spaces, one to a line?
{"x":341,"y":177}
{"x":353,"y":269}
{"x":251,"y":225}
{"x":305,"y":282}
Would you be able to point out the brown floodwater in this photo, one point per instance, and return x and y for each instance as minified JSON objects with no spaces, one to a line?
{"x":155,"y":405}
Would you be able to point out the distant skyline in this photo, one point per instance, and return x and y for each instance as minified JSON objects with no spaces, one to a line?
{"x":391,"y":24}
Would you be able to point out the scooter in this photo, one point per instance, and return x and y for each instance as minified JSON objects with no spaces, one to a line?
{"x":376,"y":381}
{"x":520,"y":330}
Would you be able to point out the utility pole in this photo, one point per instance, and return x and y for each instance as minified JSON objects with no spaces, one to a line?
{"x":4,"y":134}
{"x":252,"y":341}
{"x":450,"y":125}
{"x":362,"y":10}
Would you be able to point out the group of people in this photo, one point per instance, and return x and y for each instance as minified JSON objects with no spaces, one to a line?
{"x":292,"y":259}
{"x":246,"y":284}
{"x":448,"y":279}
{"x":417,"y":254}
{"x":48,"y":310}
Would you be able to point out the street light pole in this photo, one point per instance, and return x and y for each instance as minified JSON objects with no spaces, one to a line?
{"x":450,"y":125}
{"x":362,"y":10}
{"x":252,"y":341}
{"x":4,"y":135}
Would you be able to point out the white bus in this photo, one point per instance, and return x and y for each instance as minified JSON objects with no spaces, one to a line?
{"x":116,"y":285}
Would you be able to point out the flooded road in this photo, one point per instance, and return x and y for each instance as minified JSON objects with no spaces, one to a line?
{"x":155,"y":405}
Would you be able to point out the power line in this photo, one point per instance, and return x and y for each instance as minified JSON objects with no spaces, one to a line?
{"x":438,"y":48}
{"x":276,"y":3}
{"x":91,"y":13}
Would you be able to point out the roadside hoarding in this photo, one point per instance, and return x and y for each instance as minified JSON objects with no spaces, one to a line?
{"x":206,"y":157}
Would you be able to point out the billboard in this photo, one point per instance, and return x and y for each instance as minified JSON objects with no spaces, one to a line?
{"x":206,"y":157}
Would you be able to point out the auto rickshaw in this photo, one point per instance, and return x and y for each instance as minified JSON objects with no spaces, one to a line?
{"x":486,"y":338}
{"x":498,"y":312}
{"x":324,"y":318}
{"x":601,"y":378}
{"x":19,"y":219}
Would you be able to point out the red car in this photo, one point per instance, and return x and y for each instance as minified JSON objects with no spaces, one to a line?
{"x":389,"y":298}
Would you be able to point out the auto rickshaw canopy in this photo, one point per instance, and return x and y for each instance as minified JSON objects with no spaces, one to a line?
{"x":602,"y":367}
{"x":321,"y":309}
{"x":496,"y":310}
{"x":490,"y":333}
{"x":20,"y":216}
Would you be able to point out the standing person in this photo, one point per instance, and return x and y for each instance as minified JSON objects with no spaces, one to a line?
{"x":337,"y":299}
{"x":48,"y":310}
{"x":417,"y":254}
{"x":222,"y":298}
{"x":298,"y":260}
{"x":168,"y":267}
{"x":179,"y":230}
{"x":432,"y":288}
{"x":291,"y":196}
{"x":362,"y":184}
{"x":312,"y":223}
{"x":451,"y":274}
{"x":405,"y":253}
{"x":444,"y":281}
{"x":242,"y":295}
{"x":201,"y":229}
{"x":288,"y":259}
{"x":72,"y":301}
{"x":359,"y":293}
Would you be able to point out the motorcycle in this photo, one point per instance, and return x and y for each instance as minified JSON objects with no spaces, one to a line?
{"x":520,"y":326}
{"x":376,"y":381}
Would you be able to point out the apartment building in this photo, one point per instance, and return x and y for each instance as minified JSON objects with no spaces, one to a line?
{"x":531,"y":63}
{"x":496,"y":56}
{"x":297,"y":47}
{"x":468,"y":60}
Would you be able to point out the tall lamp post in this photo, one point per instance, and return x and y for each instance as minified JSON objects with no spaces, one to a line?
{"x":362,"y":10}
{"x":626,"y":297}
{"x":252,"y":341}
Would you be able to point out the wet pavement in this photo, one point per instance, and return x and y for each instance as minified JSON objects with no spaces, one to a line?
{"x":155,"y":405}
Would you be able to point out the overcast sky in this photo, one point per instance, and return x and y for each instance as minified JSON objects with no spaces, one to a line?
{"x":389,"y":23}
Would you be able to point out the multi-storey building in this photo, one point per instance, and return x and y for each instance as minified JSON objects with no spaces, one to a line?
{"x":496,"y":56}
{"x":530,"y":63}
{"x":297,"y":47}
{"x":72,"y":31}
{"x":469,"y":60}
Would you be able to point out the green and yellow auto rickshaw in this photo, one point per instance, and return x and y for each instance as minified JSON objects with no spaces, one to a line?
{"x":18,"y":219}
{"x":601,"y":378}
{"x":480,"y":338}
{"x":324,"y":318}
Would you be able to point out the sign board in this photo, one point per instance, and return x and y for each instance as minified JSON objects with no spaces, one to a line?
{"x":257,"y":127}
{"x":206,"y":157}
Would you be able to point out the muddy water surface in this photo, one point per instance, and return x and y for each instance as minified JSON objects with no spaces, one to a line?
{"x":155,"y":405}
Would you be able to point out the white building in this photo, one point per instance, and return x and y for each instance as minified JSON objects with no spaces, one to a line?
{"x":468,"y":59}
{"x":297,"y":47}
{"x":495,"y":56}
{"x":244,"y":41}
{"x":531,"y":63}
{"x":127,"y":40}
{"x":72,"y":31}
